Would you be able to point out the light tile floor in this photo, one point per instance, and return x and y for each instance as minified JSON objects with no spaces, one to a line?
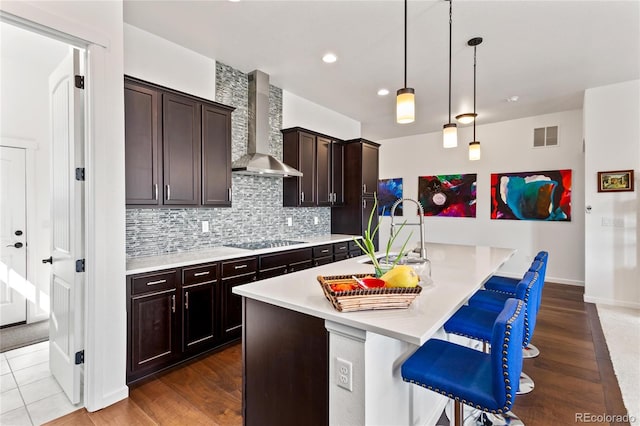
{"x":29,"y":393}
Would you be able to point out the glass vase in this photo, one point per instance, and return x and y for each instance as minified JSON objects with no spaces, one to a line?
{"x":383,"y":269}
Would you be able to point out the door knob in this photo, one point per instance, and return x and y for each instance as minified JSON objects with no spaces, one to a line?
{"x":49,"y":260}
{"x":16,"y":245}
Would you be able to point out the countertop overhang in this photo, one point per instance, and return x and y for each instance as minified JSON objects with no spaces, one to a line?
{"x":139,"y":265}
{"x":457,"y":271}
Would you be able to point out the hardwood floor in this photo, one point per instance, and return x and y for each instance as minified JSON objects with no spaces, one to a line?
{"x":572,"y":375}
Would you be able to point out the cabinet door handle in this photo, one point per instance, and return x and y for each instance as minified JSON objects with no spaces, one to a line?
{"x":364,"y":204}
{"x":156,"y":282}
{"x":324,"y":251}
{"x":173,"y":304}
{"x":302,"y":197}
{"x":155,"y":191}
{"x":229,"y":193}
{"x":186,"y":300}
{"x":240,"y":266}
{"x":364,"y":187}
{"x":168,"y":192}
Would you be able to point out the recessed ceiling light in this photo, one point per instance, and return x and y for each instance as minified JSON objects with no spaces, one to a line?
{"x":329,"y":58}
{"x":383,"y":92}
{"x":234,"y":1}
{"x":513,"y":98}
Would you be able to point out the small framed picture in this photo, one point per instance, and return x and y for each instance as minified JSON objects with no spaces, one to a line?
{"x":615,"y":181}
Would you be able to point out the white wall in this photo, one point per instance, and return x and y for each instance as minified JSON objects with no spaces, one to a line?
{"x":105,"y":309}
{"x":160,"y":61}
{"x":299,"y":112}
{"x":612,"y":139}
{"x":506,"y":147}
{"x":25,"y":117}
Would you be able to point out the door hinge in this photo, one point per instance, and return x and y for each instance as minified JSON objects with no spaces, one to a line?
{"x":80,"y":265}
{"x":80,"y":357}
{"x":79,"y":173}
{"x":79,"y":80}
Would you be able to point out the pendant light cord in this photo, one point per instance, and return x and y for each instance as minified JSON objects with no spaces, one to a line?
{"x":474,"y":92}
{"x":450,"y":31}
{"x":405,"y":43}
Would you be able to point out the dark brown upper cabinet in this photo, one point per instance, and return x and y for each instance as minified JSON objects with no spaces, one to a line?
{"x":299,"y":151}
{"x":142,"y":148}
{"x":369,"y":169}
{"x":181,"y":150}
{"x":177,"y":148}
{"x":321,"y":160}
{"x":330,"y":172}
{"x":216,"y":156}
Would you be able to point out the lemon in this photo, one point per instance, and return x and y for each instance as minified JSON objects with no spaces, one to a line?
{"x":401,"y":276}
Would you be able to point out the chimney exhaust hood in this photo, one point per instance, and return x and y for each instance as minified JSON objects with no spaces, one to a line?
{"x":257,"y":161}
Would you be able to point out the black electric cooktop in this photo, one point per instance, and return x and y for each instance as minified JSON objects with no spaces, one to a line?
{"x":258,"y":245}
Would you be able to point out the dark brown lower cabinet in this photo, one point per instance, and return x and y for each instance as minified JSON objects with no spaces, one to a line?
{"x":177,"y":314}
{"x":274,"y":264}
{"x":235,"y":272}
{"x":199,"y":323}
{"x":152,"y":322}
{"x":286,"y":367}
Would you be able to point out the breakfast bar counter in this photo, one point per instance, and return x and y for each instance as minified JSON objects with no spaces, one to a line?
{"x":293,"y":338}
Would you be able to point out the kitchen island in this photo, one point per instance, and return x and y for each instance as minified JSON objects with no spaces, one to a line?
{"x":292,"y":337}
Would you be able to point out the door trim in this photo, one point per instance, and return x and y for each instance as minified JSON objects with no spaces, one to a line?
{"x":30,"y":146}
{"x":104,"y":351}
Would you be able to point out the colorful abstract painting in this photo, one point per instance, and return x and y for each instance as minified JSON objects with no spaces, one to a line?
{"x":448,"y":195}
{"x":389,"y":190}
{"x":531,"y":195}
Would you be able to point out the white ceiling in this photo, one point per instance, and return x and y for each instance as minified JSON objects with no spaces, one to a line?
{"x":545,"y":52}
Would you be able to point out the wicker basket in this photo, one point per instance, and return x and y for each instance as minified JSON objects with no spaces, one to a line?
{"x":366,"y":299}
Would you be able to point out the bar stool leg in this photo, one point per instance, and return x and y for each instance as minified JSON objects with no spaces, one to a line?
{"x":530,"y":351}
{"x":458,"y":413}
{"x":526,"y":384}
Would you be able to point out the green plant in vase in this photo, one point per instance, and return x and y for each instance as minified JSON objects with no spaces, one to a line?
{"x":368,"y":247}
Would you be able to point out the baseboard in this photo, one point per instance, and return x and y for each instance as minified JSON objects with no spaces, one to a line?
{"x":547,"y":279}
{"x":611,"y":302}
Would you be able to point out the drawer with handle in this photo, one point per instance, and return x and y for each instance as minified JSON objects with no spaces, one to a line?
{"x":156,"y":281}
{"x":244,"y":266}
{"x":323,"y":251}
{"x":200,"y":274}
{"x":342,"y":247}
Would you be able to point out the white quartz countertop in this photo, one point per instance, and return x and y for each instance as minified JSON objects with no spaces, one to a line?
{"x":457,"y":272}
{"x":145,"y":264}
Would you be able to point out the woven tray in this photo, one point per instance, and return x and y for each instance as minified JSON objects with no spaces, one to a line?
{"x":366,"y":299}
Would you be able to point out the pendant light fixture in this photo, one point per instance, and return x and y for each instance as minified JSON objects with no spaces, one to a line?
{"x":474,"y":146}
{"x":405,"y":100}
{"x":450,"y":130}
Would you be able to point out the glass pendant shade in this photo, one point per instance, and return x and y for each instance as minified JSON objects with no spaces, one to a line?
{"x":474,"y":151}
{"x":450,"y":135}
{"x":405,"y":106}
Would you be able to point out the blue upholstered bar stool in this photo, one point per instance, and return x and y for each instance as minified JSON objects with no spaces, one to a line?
{"x":508,"y":285}
{"x":477,"y":379}
{"x":474,"y":320}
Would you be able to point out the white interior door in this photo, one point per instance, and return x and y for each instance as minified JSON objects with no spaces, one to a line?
{"x":14,"y":286}
{"x":67,"y":224}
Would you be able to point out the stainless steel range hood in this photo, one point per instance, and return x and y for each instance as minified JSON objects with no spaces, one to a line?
{"x":257,"y":161}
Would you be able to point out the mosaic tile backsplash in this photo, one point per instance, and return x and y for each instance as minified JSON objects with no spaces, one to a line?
{"x":257,"y":212}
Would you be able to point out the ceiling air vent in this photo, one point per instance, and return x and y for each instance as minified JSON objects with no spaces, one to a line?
{"x":545,"y":136}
